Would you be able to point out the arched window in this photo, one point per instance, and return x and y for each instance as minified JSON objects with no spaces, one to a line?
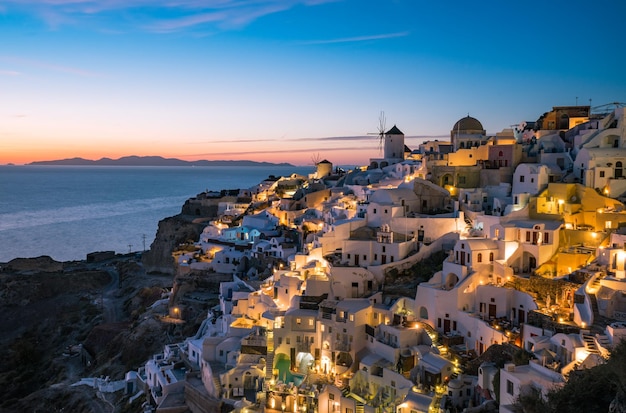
{"x":501,"y":153}
{"x":491,"y":257}
{"x":480,"y":257}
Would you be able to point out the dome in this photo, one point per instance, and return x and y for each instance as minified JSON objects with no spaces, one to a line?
{"x":467,"y":124}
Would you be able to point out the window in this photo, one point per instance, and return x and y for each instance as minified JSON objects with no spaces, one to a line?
{"x":384,"y":248}
{"x":521,"y":178}
{"x":288,"y":340}
{"x":298,"y":320}
{"x":311,"y":322}
{"x":461,"y":179}
{"x":480,"y":257}
{"x":374,"y":210}
{"x":601,"y":174}
{"x":509,"y":387}
{"x":351,"y":317}
{"x":527,"y":236}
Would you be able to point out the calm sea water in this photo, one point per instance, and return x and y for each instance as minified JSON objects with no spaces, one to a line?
{"x":68,"y":211}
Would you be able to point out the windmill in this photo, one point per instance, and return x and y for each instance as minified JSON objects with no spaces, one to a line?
{"x":381,"y":130}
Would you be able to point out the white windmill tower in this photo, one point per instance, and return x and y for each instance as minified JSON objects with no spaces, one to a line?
{"x":390,"y":141}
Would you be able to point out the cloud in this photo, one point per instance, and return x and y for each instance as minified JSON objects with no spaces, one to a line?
{"x":180,"y":14}
{"x":9,"y":73}
{"x":358,"y":38}
{"x":278,"y":151}
{"x":46,"y":66}
{"x":237,"y":141}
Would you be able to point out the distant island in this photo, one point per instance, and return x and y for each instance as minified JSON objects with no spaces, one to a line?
{"x":152,"y":161}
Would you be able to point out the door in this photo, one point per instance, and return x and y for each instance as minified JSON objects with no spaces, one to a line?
{"x":446,"y":326}
{"x":492,"y":311}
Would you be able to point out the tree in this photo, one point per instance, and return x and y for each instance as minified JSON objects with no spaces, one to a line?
{"x":599,"y":389}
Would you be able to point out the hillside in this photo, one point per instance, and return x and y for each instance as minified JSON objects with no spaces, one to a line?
{"x":56,"y":316}
{"x":151,"y":161}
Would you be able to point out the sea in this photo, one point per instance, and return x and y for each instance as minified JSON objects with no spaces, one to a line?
{"x":66,"y":212}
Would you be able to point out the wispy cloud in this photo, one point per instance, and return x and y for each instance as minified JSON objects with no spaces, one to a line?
{"x":236,"y":141}
{"x":46,"y":66}
{"x":159,"y":16}
{"x":358,"y":38}
{"x":278,"y":151}
{"x":9,"y":73}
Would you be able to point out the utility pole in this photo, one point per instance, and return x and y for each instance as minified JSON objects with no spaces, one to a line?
{"x":130,"y":246}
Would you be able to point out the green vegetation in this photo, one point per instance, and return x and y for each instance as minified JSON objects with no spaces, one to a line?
{"x":599,"y":389}
{"x":404,"y":283}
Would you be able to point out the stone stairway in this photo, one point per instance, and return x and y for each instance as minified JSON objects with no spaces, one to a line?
{"x":218,"y":384}
{"x":599,"y":321}
{"x":434,"y":337}
{"x":590,"y":344}
{"x":269,"y":359}
{"x":603,"y":340}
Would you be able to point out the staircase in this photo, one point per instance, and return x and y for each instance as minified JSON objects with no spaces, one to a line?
{"x":434,"y":337}
{"x":603,"y":340}
{"x":590,"y":344}
{"x":595,"y":284}
{"x":599,"y":321}
{"x":218,"y":384}
{"x":269,"y":359}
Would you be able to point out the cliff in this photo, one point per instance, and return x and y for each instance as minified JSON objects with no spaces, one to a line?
{"x":171,"y":232}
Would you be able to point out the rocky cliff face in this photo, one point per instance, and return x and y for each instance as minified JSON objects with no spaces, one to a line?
{"x":172,"y":231}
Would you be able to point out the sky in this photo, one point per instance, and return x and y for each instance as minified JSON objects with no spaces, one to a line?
{"x":290,"y":80}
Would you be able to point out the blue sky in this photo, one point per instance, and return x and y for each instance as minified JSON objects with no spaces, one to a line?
{"x":273,"y":80}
